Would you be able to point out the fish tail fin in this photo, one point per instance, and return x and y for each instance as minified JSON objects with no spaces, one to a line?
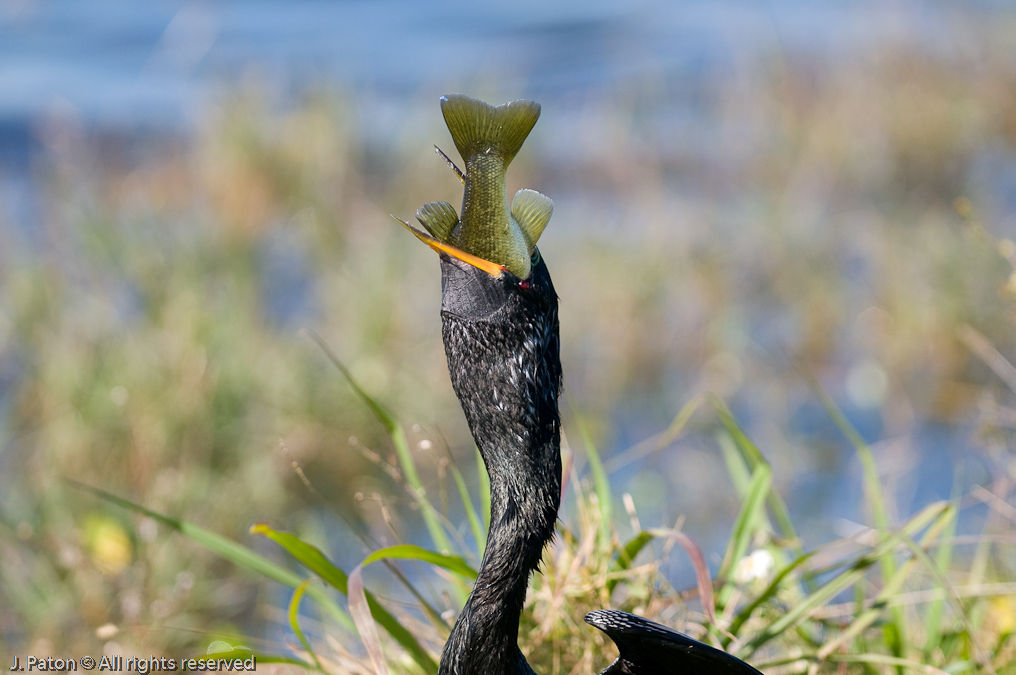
{"x":478,"y":127}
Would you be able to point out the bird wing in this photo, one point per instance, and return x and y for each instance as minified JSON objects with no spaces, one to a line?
{"x":647,"y":648}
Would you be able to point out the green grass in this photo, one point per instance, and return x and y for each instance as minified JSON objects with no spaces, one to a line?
{"x":791,"y":616}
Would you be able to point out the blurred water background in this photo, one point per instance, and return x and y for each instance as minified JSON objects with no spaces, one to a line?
{"x":749,"y":195}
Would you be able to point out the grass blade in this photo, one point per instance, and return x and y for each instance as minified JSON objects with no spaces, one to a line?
{"x":361,"y":607}
{"x":980,"y":654}
{"x":889,"y":661}
{"x":749,"y":519}
{"x":774,"y":586}
{"x":872,"y":484}
{"x":801,"y":610}
{"x":365,"y":626}
{"x":658,"y":442}
{"x":891,"y":587}
{"x":228,"y":549}
{"x":936,"y":608}
{"x":294,"y":622}
{"x":852,"y":575}
{"x":626,"y":556}
{"x":316,"y":561}
{"x":698,"y":561}
{"x":753,"y":456}
{"x":474,"y":519}
{"x":449,"y":562}
{"x":737,"y":468}
{"x":398,"y":436}
{"x":310,"y":556}
{"x":896,"y":635}
{"x":602,"y":486}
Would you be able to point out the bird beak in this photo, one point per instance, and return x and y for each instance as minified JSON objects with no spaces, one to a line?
{"x":493,"y":269}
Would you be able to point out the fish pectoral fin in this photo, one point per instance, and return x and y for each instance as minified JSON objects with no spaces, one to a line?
{"x":532,"y":211}
{"x":438,"y":218}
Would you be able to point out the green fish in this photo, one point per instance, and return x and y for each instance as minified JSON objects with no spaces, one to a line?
{"x":490,"y":234}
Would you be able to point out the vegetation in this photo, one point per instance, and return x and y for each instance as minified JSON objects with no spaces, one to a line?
{"x":825,"y":228}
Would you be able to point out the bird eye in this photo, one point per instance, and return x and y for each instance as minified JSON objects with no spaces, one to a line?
{"x":535,"y":259}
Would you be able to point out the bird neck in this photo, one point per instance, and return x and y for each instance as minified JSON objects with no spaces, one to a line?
{"x":504,"y":363}
{"x":524,"y":506}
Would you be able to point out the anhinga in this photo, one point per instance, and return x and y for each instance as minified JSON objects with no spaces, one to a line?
{"x":500,"y":330}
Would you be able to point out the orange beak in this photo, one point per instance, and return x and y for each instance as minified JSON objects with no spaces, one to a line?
{"x":493,"y":269}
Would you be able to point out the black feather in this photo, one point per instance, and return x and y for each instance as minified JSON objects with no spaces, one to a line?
{"x":501,"y":340}
{"x":647,"y":648}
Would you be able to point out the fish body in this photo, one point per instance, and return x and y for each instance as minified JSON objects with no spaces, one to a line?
{"x":488,"y":138}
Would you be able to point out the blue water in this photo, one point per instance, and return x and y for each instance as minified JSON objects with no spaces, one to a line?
{"x":122,"y":62}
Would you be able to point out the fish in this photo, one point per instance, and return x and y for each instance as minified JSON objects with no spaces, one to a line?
{"x":491,"y":234}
